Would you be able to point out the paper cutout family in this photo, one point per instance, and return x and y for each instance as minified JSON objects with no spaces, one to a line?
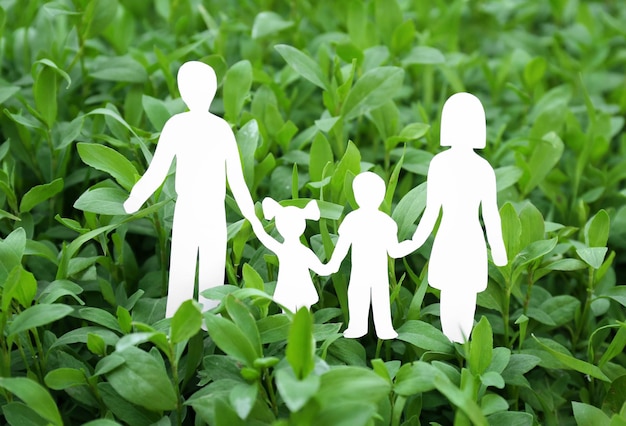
{"x":459,"y":182}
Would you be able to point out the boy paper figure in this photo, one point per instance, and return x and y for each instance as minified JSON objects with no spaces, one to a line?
{"x":294,"y":287}
{"x":372,"y":235}
{"x":459,"y":183}
{"x":206,"y":154}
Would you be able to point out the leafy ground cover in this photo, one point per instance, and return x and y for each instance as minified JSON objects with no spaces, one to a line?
{"x":316,"y":93}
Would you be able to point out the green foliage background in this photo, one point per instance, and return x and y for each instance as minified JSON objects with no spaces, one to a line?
{"x":316,"y":92}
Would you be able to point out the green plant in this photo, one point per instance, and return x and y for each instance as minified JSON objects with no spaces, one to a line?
{"x":316,"y":92}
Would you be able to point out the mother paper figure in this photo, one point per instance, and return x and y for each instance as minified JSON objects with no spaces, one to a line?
{"x":459,"y":183}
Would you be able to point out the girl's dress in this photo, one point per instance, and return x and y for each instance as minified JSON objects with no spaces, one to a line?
{"x":294,"y":286}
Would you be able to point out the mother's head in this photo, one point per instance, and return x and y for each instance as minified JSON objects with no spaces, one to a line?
{"x":463,"y":122}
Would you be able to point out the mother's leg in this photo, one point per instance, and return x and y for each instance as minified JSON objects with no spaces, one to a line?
{"x":457,"y":308}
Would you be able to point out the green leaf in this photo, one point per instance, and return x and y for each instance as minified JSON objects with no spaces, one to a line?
{"x":535,"y":250}
{"x":586,"y":414}
{"x":11,"y":252}
{"x":108,"y":160}
{"x":424,"y":336}
{"x":119,"y":68}
{"x":35,"y":396}
{"x":533,"y":228}
{"x":19,"y":414}
{"x":545,"y":155}
{"x":45,"y":93}
{"x":534,"y":71}
{"x":142,"y":380}
{"x":617,"y":293}
{"x":109,"y":201}
{"x":459,"y":398}
{"x":350,"y":163}
{"x":296,"y":393}
{"x":7,"y":92}
{"x":63,"y":378}
{"x":573,"y":363}
{"x":481,"y":347}
{"x":492,"y":378}
{"x":593,"y":256}
{"x":423,"y":55}
{"x":301,"y":345}
{"x":511,"y":418}
{"x":351,"y":384}
{"x":511,"y":230}
{"x":507,"y":176}
{"x":245,"y":322}
{"x":98,"y":15}
{"x":156,"y":111}
{"x":268,"y":23}
{"x":49,"y":63}
{"x":20,"y":285}
{"x":373,"y":89}
{"x":230,"y":339}
{"x":96,"y":344}
{"x":37,"y":316}
{"x":186,"y":321}
{"x":492,"y":403}
{"x":40,"y":193}
{"x":561,"y":308}
{"x":303,"y":65}
{"x":416,"y":377}
{"x":597,"y":230}
{"x":237,"y":84}
{"x":251,"y":278}
{"x":320,"y":154}
{"x":409,"y":209}
{"x":242,"y":398}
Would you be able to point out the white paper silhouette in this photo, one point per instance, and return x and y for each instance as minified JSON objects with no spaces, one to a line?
{"x":372,"y":235}
{"x":294,"y":286}
{"x":459,"y":183}
{"x":206,"y":154}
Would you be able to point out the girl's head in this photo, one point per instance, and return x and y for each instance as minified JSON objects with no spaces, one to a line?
{"x":290,"y":220}
{"x":463,"y":122}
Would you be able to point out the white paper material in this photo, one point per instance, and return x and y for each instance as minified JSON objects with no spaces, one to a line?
{"x":294,"y":286}
{"x":206,"y":155}
{"x":372,"y":235}
{"x":460,"y":183}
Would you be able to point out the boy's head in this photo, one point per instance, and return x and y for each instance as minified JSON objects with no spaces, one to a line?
{"x":369,"y":190}
{"x":197,"y":85}
{"x":463,"y":122}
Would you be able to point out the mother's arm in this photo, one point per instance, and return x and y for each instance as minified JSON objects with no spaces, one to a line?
{"x":491,"y":218}
{"x":433,"y":204}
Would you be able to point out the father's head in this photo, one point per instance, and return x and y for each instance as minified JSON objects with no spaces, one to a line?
{"x":197,"y":85}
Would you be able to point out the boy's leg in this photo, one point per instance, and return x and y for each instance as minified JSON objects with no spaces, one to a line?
{"x":381,"y":307}
{"x":358,"y":306}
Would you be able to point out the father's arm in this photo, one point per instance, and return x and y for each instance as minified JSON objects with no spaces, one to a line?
{"x":157,"y":169}
{"x":234,"y":174}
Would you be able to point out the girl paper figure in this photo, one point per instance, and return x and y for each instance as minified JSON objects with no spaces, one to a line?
{"x":294,"y":286}
{"x":206,"y":155}
{"x":459,"y":183}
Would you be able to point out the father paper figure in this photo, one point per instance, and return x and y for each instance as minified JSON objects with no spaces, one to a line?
{"x":206,"y":154}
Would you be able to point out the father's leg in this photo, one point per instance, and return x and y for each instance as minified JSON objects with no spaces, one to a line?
{"x":212,"y":262}
{"x":183,"y":258}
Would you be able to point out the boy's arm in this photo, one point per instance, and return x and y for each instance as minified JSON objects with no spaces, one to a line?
{"x":398,"y":250}
{"x":157,"y":170}
{"x":340,"y":252}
